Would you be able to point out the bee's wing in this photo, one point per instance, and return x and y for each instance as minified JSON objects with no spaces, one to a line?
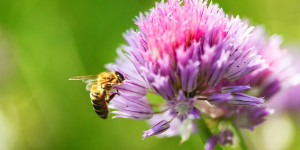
{"x":86,"y":78}
{"x":89,"y":85}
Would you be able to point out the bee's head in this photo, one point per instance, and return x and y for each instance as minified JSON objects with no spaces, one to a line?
{"x":121,"y":78}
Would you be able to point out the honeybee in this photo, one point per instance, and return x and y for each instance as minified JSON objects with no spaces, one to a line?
{"x":100,"y":87}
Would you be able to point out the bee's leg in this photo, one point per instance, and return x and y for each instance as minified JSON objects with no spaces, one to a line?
{"x":111,"y":97}
{"x":103,"y":85}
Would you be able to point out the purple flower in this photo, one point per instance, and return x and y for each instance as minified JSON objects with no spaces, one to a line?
{"x":191,"y":54}
{"x":181,"y":50}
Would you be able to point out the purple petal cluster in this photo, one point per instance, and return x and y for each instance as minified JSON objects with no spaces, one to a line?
{"x":233,"y":95}
{"x":131,"y":101}
{"x":278,"y":65}
{"x":249,"y":117}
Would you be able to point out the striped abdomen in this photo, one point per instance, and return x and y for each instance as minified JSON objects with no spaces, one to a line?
{"x":100,"y":105}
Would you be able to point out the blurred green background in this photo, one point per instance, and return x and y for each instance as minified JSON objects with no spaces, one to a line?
{"x":44,"y":42}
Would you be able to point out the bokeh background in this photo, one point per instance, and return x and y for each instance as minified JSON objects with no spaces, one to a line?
{"x":44,"y":42}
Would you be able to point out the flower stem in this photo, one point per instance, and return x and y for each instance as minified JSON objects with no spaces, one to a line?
{"x":158,"y":105}
{"x":205,"y":133}
{"x":240,"y":136}
{"x":162,"y":111}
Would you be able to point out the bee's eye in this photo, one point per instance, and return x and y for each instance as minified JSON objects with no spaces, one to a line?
{"x":121,"y":78}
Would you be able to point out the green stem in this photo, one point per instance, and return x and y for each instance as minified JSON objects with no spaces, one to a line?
{"x":205,"y":133}
{"x":240,"y":136}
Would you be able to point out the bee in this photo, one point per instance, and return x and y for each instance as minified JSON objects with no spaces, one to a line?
{"x":100,"y":87}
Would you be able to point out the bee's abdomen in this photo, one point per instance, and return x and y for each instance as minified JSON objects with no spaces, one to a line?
{"x":100,"y":106}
